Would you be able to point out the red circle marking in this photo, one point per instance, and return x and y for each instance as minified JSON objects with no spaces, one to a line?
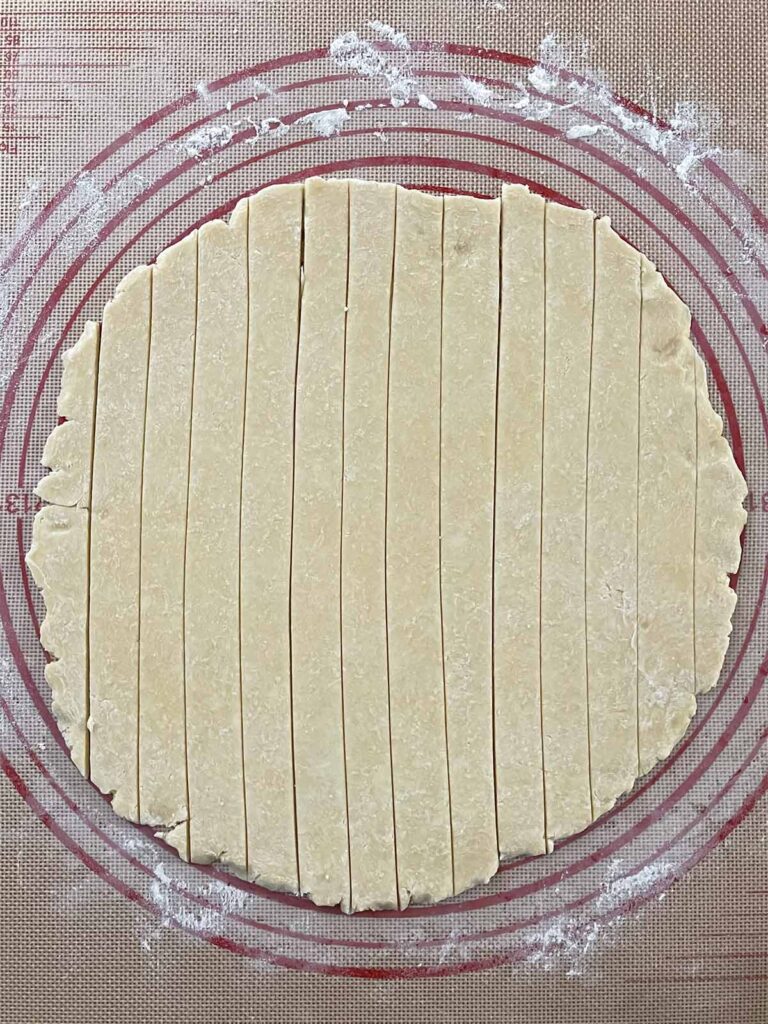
{"x":382,"y":161}
{"x":452,"y":908}
{"x":305,"y":172}
{"x":301,"y":964}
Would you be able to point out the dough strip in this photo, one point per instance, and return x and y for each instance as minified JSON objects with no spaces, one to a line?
{"x":666,"y":520}
{"x":419,"y":756}
{"x":517,"y":564}
{"x":212,"y":601}
{"x":274,"y":235}
{"x":163,"y":784}
{"x":86,"y":626}
{"x":440,"y":553}
{"x":115,"y":541}
{"x":59,"y":556}
{"x":720,"y":516}
{"x":315,"y":583}
{"x":363,"y":608}
{"x":611,"y":520}
{"x":469,"y":346}
{"x":569,"y":254}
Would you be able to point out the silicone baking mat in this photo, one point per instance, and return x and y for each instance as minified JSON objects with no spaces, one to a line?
{"x":124,"y":125}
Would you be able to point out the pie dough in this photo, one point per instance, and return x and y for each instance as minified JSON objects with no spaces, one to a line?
{"x":212,"y":562}
{"x":666,"y":685}
{"x":467,"y":442}
{"x":363,"y":550}
{"x":318,"y":703}
{"x":388,"y":537}
{"x":568,"y":280}
{"x":162,"y":724}
{"x":517,"y":551}
{"x":115,"y":542}
{"x":611,"y":518}
{"x":417,"y":689}
{"x":274,"y":268}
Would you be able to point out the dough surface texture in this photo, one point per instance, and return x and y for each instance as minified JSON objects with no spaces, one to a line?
{"x":388,"y":537}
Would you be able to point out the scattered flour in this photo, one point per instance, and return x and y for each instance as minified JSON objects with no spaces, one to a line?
{"x":326,"y":122}
{"x":398,"y":39}
{"x":352,"y":53}
{"x":168,"y":895}
{"x":619,"y":889}
{"x":206,"y":140}
{"x":426,"y":102}
{"x":476,"y":91}
{"x":30,"y":196}
{"x":541,"y":79}
{"x":684,"y":142}
{"x":564,"y":939}
{"x":581,"y":131}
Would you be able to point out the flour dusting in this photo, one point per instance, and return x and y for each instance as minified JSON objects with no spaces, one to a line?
{"x":206,"y":140}
{"x":582,"y":131}
{"x":352,"y":53}
{"x":620,"y":889}
{"x":398,"y":39}
{"x":541,"y":79}
{"x":476,"y":91}
{"x":326,"y":122}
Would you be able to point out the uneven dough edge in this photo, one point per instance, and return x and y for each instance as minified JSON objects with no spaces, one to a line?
{"x":58,"y":555}
{"x":58,"y":560}
{"x":67,"y":452}
{"x":720,"y":518}
{"x":666,"y":702}
{"x":113,"y":620}
{"x":611,"y":557}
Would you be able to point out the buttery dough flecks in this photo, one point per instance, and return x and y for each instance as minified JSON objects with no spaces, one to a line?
{"x":388,"y":538}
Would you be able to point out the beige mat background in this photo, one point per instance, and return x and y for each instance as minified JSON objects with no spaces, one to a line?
{"x":97,"y":922}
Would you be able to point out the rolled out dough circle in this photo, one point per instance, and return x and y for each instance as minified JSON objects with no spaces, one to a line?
{"x":388,"y":536}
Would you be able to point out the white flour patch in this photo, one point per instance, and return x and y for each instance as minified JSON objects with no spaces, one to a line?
{"x":205,"y":140}
{"x":326,"y":122}
{"x":564,"y":940}
{"x":267,"y":126}
{"x":398,"y":39}
{"x":30,"y":200}
{"x":203,"y":91}
{"x":541,"y":79}
{"x":582,"y":131}
{"x":352,"y":53}
{"x":92,"y":207}
{"x":426,"y":103}
{"x":217,"y":900}
{"x":476,"y":91}
{"x":684,"y":143}
{"x":620,"y":889}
